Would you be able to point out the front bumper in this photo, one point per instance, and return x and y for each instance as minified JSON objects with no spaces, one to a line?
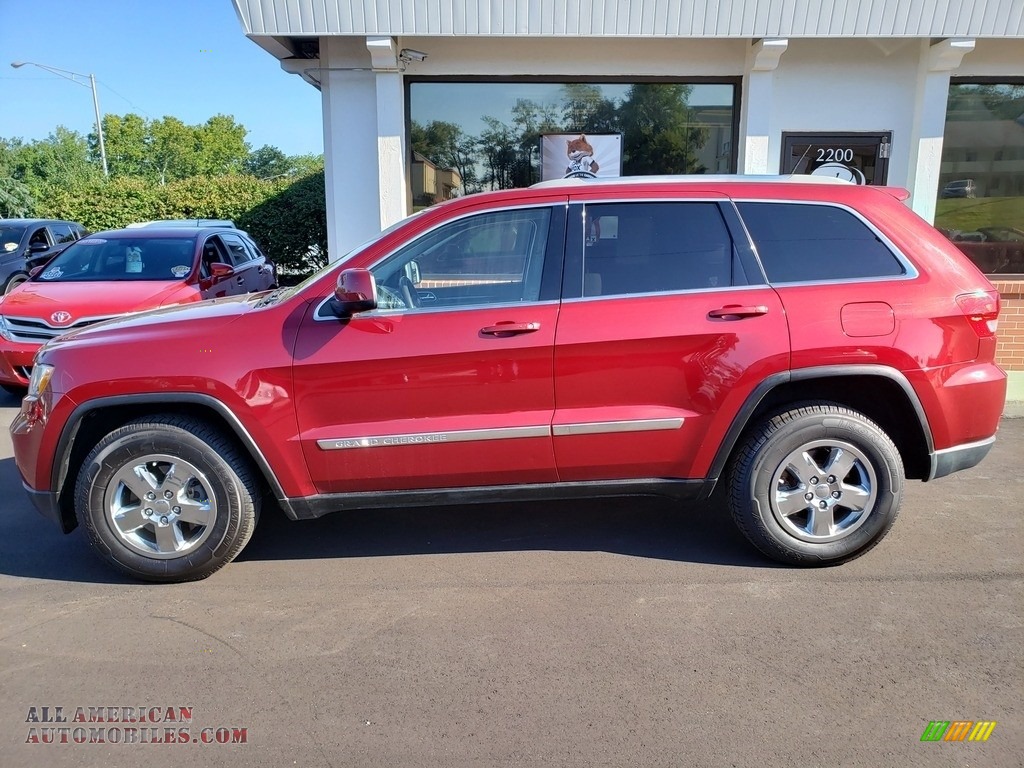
{"x":16,"y":362}
{"x":48,"y":505}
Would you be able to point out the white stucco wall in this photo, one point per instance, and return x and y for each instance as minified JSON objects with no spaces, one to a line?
{"x":844,"y":86}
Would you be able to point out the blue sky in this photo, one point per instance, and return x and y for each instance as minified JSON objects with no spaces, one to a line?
{"x":186,"y":58}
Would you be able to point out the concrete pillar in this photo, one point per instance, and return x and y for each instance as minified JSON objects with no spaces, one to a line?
{"x":755,"y":155}
{"x":931,"y":94}
{"x":390,"y":119}
{"x":350,"y":136}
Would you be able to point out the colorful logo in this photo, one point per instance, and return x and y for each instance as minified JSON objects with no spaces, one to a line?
{"x":958,"y":730}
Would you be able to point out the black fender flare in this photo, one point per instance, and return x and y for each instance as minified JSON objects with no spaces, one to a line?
{"x":754,"y":399}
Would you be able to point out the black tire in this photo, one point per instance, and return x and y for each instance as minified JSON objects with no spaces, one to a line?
{"x":796,"y":521}
{"x":207,"y":517}
{"x":14,"y":281}
{"x":14,"y":389}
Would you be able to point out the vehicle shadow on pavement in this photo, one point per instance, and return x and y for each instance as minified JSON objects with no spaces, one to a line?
{"x":638,"y":526}
{"x":34,"y":548}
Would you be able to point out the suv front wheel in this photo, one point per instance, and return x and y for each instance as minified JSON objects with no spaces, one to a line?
{"x":167,"y":498}
{"x":816,"y":485}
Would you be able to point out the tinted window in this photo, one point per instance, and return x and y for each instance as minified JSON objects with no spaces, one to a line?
{"x":652,"y":247}
{"x":491,"y":258}
{"x":236,"y":249}
{"x":62,"y":233}
{"x":799,"y":243}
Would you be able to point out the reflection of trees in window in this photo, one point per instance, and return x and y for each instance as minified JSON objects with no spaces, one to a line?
{"x":661,"y":134}
{"x":988,"y":101}
{"x":447,"y":146}
{"x":658,"y":131}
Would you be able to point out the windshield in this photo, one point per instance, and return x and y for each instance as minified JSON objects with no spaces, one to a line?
{"x":10,"y":237}
{"x":122,"y":258}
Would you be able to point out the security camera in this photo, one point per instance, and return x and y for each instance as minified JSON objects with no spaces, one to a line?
{"x":410,"y":55}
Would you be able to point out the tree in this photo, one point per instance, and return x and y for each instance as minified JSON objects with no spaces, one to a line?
{"x":126,"y":143}
{"x":62,"y":158}
{"x":168,"y":149}
{"x":267,"y":162}
{"x":220,"y":146}
{"x":586,"y":110}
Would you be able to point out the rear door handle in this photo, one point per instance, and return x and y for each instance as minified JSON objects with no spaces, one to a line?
{"x":737,"y":311}
{"x":510,"y":329}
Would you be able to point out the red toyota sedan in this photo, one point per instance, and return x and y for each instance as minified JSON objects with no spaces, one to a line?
{"x":110,"y":274}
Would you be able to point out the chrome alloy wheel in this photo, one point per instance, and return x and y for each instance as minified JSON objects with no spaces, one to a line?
{"x":160,"y":506}
{"x":824,"y":491}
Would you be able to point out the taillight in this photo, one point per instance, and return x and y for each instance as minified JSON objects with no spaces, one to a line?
{"x":981,"y":309}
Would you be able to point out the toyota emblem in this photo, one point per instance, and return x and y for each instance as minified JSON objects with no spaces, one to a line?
{"x":61,"y":317}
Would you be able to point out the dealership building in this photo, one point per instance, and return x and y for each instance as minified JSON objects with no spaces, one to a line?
{"x":425,"y":99}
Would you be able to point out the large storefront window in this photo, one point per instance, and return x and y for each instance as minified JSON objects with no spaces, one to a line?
{"x":473,"y":136}
{"x":981,"y":186}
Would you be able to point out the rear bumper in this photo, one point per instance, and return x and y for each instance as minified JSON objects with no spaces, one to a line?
{"x":950,"y":460}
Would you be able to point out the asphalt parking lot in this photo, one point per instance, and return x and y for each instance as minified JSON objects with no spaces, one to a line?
{"x":613,"y":633}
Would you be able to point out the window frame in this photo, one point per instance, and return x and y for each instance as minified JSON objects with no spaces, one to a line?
{"x":747,"y":272}
{"x":551,"y":271}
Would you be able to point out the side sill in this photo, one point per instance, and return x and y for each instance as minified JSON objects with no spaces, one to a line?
{"x":311,"y":507}
{"x":950,"y":460}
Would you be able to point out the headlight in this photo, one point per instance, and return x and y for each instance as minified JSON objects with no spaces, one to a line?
{"x":41,"y":375}
{"x":5,"y":333}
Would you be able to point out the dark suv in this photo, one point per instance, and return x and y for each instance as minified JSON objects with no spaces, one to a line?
{"x":37,"y":240}
{"x":809,"y":344}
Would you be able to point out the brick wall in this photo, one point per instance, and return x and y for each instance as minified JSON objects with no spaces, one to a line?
{"x":1010,"y":344}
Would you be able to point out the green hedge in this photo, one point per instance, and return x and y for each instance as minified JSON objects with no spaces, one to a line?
{"x":287,"y":217}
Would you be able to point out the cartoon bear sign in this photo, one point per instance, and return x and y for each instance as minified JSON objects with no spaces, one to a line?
{"x":582,"y":164}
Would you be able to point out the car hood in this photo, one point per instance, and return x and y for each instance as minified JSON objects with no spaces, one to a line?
{"x":160,"y":320}
{"x":88,"y":300}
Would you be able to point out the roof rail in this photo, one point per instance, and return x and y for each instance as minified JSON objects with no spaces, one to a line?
{"x":695,"y":179}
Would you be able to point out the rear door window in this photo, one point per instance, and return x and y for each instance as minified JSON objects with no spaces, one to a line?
{"x":236,"y":250}
{"x":799,"y":243}
{"x":655,"y":247}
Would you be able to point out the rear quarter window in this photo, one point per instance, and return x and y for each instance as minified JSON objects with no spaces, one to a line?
{"x":808,"y":243}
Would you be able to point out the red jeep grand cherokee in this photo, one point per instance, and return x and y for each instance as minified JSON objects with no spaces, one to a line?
{"x":810,"y":344}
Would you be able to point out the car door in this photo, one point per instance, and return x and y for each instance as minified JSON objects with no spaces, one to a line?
{"x":448,"y":383}
{"x":213,"y":286}
{"x":248,"y":275}
{"x":665,"y":328}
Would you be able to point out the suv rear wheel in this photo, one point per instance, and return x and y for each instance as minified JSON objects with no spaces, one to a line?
{"x":167,"y":498}
{"x":816,"y":485}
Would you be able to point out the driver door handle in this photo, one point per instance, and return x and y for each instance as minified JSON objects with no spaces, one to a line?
{"x":510,"y":328}
{"x":737,"y":311}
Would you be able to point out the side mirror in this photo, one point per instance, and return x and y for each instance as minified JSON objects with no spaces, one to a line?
{"x":220,"y":270}
{"x":356,"y":292}
{"x":38,"y":247}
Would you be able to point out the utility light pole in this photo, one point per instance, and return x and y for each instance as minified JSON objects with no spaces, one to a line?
{"x":74,"y":77}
